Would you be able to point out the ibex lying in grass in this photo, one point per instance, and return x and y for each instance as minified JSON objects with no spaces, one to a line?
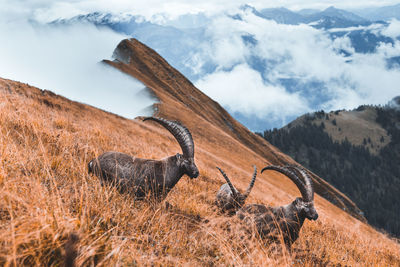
{"x":271,"y":222}
{"x":229,"y":199}
{"x":142,"y":176}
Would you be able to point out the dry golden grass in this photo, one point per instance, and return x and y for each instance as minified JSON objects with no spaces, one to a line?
{"x":52,"y":211}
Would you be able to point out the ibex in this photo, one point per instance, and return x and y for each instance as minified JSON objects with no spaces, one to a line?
{"x":229,"y":199}
{"x":143,"y":176}
{"x":271,"y":222}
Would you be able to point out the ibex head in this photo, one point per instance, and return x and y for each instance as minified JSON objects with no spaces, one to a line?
{"x":188,"y":166}
{"x":305,"y":204}
{"x":185,"y":140}
{"x":229,"y":199}
{"x":306,"y":209}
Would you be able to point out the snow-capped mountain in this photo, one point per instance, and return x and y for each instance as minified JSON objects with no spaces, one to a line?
{"x":280,"y":15}
{"x":326,"y":19}
{"x":341,"y":14}
{"x":382,"y":13}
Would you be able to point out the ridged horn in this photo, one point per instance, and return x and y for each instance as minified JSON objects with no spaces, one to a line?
{"x":180,"y":132}
{"x":253,"y":180}
{"x":292,"y":176}
{"x":233,"y":189}
{"x":308,"y":182}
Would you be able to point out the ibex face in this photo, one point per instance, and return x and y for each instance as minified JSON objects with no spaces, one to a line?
{"x":306,"y":209}
{"x":188,"y":166}
{"x":228,"y":198}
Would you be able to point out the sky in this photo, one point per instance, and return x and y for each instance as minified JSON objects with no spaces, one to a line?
{"x":48,"y":10}
{"x":65,"y":59}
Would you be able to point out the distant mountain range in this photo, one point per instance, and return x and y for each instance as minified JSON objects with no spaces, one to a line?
{"x":363,"y":40}
{"x":327,"y":19}
{"x":176,"y":39}
{"x":191,"y":27}
{"x":339,"y":17}
{"x":382,"y":13}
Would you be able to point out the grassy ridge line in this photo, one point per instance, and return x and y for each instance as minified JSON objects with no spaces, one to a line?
{"x":52,"y":210}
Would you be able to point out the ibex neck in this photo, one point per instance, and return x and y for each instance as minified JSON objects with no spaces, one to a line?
{"x":173,"y":172}
{"x":292,"y":213}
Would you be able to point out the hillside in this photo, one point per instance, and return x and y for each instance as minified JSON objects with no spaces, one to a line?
{"x":353,"y":125}
{"x":52,"y":210}
{"x":357,"y":151}
{"x":181,"y":100}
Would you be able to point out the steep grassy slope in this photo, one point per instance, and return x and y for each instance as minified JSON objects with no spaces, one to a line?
{"x":52,"y":211}
{"x":205,"y":117}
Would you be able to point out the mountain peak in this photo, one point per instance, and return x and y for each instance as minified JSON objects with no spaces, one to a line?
{"x":331,"y":8}
{"x":342,"y":14}
{"x":395,"y":103}
{"x":281,"y":15}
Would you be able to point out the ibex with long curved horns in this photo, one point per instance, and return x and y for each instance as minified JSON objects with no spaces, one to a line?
{"x":270,"y":222}
{"x":142,"y":176}
{"x":229,"y":199}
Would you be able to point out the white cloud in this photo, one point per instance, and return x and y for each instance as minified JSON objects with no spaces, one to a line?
{"x":393,"y":30}
{"x":65,"y":60}
{"x":243,"y":90}
{"x":224,"y":44}
{"x":297,"y":52}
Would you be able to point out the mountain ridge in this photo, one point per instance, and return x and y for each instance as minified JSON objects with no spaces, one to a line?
{"x":330,"y":17}
{"x":380,"y":13}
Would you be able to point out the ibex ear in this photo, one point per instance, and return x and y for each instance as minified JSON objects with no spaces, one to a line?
{"x":180,"y":159}
{"x":299,"y":202}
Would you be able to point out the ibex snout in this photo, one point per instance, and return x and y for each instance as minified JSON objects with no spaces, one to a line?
{"x":195,"y":174}
{"x":312,"y":214}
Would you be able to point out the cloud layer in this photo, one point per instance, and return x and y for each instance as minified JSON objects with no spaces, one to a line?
{"x":319,"y":75}
{"x":66,"y":60}
{"x":243,"y":90}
